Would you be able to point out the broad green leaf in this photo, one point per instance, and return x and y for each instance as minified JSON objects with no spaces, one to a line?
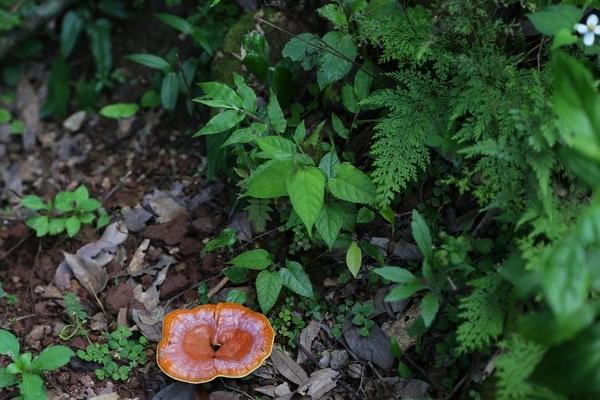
{"x":295,"y":278}
{"x":335,"y":14}
{"x":150,"y":99}
{"x":56,"y":226}
{"x":32,"y":387}
{"x":253,"y":259}
{"x":395,"y":274}
{"x":6,"y":379}
{"x":34,"y":203}
{"x":270,"y":179}
{"x":303,"y":48}
{"x":236,"y":275}
{"x":69,"y":32}
{"x":276,"y":147}
{"x":421,"y":234}
{"x":221,"y":122}
{"x":328,"y":163}
{"x":39,"y":225}
{"x":9,"y":345}
{"x":58,"y":88}
{"x":329,"y":224}
{"x":246,"y":93}
{"x":351,"y":184}
{"x":236,"y":296}
{"x":306,"y":188}
{"x":72,"y":224}
{"x":176,"y":22}
{"x":336,"y":61}
{"x":576,"y":102}
{"x":429,"y":308}
{"x":338,"y":126}
{"x":227,"y":237}
{"x":268,"y":287}
{"x":404,"y":291}
{"x":222,"y":93}
{"x":573,"y":367}
{"x":52,"y":357}
{"x":169,"y":91}
{"x":551,"y":19}
{"x":364,"y":216}
{"x":89,"y":205}
{"x":151,"y":61}
{"x":246,"y":135}
{"x":349,"y":99}
{"x":362,"y":84}
{"x":119,"y":110}
{"x":354,"y":259}
{"x":275,"y":114}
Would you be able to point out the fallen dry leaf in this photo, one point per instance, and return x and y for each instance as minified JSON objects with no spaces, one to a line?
{"x":320,"y":383}
{"x":288,"y":367}
{"x":137,"y":261}
{"x":307,"y":337}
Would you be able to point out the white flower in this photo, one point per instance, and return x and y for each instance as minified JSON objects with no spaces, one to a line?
{"x":589,"y":30}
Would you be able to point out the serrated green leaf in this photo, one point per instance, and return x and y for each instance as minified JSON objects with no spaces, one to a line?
{"x":335,"y":14}
{"x":150,"y":61}
{"x":295,"y":278}
{"x":246,"y":94}
{"x":51,"y":358}
{"x":268,"y":287}
{"x":329,"y":224}
{"x":39,"y":225}
{"x":56,"y":226}
{"x":300,"y":132}
{"x":81,"y":193}
{"x":9,"y":345}
{"x":270,"y":179}
{"x":429,"y":308}
{"x":72,"y":224}
{"x":169,"y":91}
{"x":351,"y":184}
{"x":6,"y":379}
{"x":276,"y":147}
{"x":236,"y":296}
{"x":222,"y":93}
{"x":306,"y":188}
{"x":421,"y":234}
{"x":395,"y":274}
{"x":119,"y":110}
{"x":34,"y":203}
{"x":303,"y":48}
{"x":278,"y":121}
{"x":221,"y":122}
{"x":32,"y":387}
{"x":253,"y":259}
{"x":89,"y":205}
{"x":354,"y":259}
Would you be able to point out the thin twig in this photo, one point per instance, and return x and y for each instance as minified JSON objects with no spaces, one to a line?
{"x":217,"y":287}
{"x":236,"y":390}
{"x":117,"y":187}
{"x":16,"y":246}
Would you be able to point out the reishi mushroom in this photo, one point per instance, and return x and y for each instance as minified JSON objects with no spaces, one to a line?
{"x":213,"y":340}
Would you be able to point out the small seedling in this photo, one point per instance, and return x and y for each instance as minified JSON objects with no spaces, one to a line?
{"x":66,"y":212}
{"x":289,"y":323}
{"x":25,"y":370}
{"x":118,"y":356}
{"x":78,"y":317}
{"x":361,"y":314}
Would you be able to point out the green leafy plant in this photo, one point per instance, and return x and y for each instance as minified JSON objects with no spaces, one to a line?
{"x":288,"y":322}
{"x":11,"y":299}
{"x":359,"y":314}
{"x":77,"y":315}
{"x":118,"y":356}
{"x":25,"y":370}
{"x":271,"y":277}
{"x":66,"y":212}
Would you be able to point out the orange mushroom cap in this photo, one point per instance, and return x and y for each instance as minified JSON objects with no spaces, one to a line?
{"x":213,"y":340}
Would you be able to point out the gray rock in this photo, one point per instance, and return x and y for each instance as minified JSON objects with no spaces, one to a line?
{"x":375,"y":347}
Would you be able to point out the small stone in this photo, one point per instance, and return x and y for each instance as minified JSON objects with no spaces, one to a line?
{"x":37,"y":333}
{"x":339,"y":359}
{"x":86,"y":381}
{"x":74,"y":121}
